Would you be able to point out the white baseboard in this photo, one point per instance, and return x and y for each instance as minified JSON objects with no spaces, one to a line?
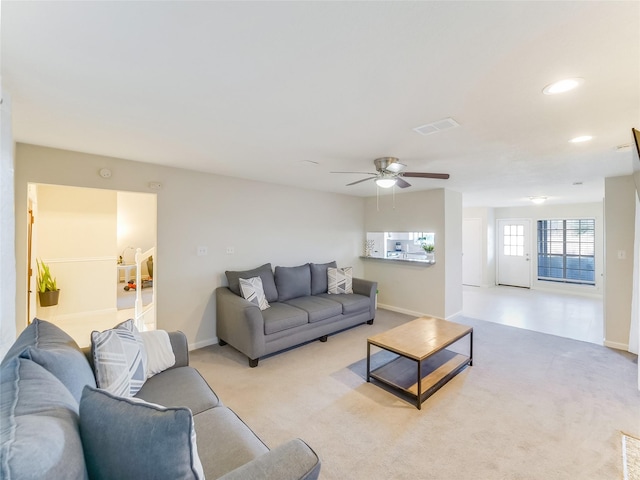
{"x":405,"y":311}
{"x":203,"y":343}
{"x":616,"y":345}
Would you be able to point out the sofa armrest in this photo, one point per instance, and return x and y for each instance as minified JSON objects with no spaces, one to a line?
{"x":180,"y":348}
{"x":364,"y":287}
{"x":368,"y":289}
{"x":293,"y":460}
{"x":240,"y":323}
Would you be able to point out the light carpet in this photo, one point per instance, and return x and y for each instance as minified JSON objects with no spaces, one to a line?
{"x":532,"y":406}
{"x":631,"y":457}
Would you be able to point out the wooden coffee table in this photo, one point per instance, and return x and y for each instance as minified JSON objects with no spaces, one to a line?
{"x":423,"y":364}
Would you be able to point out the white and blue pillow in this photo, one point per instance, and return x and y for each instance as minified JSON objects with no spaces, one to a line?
{"x":119,"y":359}
{"x":252,"y":290}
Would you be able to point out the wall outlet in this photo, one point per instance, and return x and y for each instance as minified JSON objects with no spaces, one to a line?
{"x":231,"y":250}
{"x":622,"y":254}
{"x":202,"y":251}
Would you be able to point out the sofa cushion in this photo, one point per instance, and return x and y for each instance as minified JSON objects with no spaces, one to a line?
{"x":119,"y":359}
{"x":179,"y":387}
{"x":230,"y":443}
{"x":340,"y":280}
{"x":317,"y":308}
{"x":266,"y":275}
{"x":130,"y":438}
{"x":319,"y":282}
{"x":293,"y":282}
{"x":353,"y":303}
{"x":38,"y":424}
{"x":281,"y":316}
{"x":252,"y":290}
{"x":49,"y":346}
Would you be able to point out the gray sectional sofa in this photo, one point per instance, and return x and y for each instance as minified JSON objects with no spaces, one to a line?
{"x":300,"y":309}
{"x":55,"y":424}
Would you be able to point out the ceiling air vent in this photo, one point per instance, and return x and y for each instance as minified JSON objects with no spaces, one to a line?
{"x":437,"y":126}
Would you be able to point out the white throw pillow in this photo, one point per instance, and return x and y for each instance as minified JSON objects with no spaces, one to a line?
{"x":340,"y":280}
{"x":160,"y":355}
{"x":252,"y":290}
{"x":119,"y":359}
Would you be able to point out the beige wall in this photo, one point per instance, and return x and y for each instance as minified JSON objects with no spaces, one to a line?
{"x":262,"y":222}
{"x":75,"y":234}
{"x":619,"y":208}
{"x":414,"y":288}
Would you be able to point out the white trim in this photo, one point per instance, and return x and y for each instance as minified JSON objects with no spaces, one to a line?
{"x":405,"y":311}
{"x":88,"y":313}
{"x":203,"y":343}
{"x":616,"y":345}
{"x":80,"y":259}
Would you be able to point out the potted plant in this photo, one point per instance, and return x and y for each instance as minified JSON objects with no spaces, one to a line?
{"x":48,"y":291}
{"x":428,"y":248}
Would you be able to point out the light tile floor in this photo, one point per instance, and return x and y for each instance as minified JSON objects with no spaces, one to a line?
{"x":565,"y":315}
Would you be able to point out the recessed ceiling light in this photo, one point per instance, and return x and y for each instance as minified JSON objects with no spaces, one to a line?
{"x":562,"y":86}
{"x":583,"y":138}
{"x":575,"y":184}
{"x":538,"y":200}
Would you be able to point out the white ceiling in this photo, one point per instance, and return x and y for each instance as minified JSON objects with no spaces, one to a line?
{"x":260,"y":89}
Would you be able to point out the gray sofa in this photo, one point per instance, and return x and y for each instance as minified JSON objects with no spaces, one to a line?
{"x":54,"y":423}
{"x":300,"y":309}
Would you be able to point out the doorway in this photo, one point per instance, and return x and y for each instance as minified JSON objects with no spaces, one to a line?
{"x":514,"y":252}
{"x":79,"y":232}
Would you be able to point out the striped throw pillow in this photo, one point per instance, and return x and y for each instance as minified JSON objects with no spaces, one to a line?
{"x":119,"y":359}
{"x":252,"y":290}
{"x":340,"y":280}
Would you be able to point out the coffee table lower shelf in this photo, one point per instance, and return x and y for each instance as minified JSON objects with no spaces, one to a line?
{"x":435,"y":370}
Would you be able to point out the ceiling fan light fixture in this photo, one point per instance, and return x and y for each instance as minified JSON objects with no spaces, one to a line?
{"x":562,"y":86}
{"x":386,"y":182}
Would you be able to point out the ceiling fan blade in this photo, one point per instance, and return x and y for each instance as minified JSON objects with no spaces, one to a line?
{"x":361,"y":173}
{"x":360,"y":181}
{"x":442,"y":176}
{"x":402,"y":183}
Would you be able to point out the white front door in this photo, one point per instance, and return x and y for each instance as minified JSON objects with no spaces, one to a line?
{"x":514,"y":253}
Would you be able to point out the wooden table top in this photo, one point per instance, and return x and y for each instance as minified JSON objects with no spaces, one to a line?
{"x":421,"y":337}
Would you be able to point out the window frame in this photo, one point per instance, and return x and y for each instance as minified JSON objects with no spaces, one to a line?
{"x":582,"y":238}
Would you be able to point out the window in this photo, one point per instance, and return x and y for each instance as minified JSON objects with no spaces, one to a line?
{"x":513,"y":240}
{"x":566,"y":251}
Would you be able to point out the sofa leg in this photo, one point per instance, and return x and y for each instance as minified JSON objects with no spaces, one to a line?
{"x":370,"y":322}
{"x":253,"y":362}
{"x":323,"y":338}
{"x":221,"y":342}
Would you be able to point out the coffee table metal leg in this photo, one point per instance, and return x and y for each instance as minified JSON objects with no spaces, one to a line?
{"x":419,"y":399}
{"x":471,"y":348}
{"x":368,"y":361}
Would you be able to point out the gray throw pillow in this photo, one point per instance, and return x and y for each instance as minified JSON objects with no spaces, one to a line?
{"x":39,"y":432}
{"x":319,"y":277}
{"x":264,"y":272}
{"x":293,"y":282}
{"x":130,"y":438}
{"x":49,"y":346}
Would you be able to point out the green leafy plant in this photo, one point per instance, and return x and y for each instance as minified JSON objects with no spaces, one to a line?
{"x":428,"y":248}
{"x":46,"y":283}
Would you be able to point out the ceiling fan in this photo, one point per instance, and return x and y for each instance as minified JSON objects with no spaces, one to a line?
{"x":390,"y":172}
